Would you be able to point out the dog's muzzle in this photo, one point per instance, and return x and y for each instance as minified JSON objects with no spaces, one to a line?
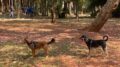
{"x":82,"y":39}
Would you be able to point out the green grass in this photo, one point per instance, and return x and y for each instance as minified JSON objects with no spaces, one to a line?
{"x":60,"y":55}
{"x":19,"y":55}
{"x":15,"y":55}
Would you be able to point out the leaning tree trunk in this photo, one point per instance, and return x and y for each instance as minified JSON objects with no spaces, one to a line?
{"x":103,"y":15}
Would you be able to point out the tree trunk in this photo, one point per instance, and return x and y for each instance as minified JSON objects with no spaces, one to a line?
{"x":2,"y":6}
{"x":52,"y":15}
{"x":53,"y":6}
{"x":103,"y":15}
{"x":77,"y":16}
{"x":19,"y":8}
{"x":70,"y":7}
{"x":11,"y":8}
{"x":43,"y":7}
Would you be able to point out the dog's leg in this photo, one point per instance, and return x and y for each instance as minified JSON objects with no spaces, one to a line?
{"x":105,"y":51}
{"x":33,"y":52}
{"x":89,"y":54}
{"x":102,"y":51}
{"x":46,"y":51}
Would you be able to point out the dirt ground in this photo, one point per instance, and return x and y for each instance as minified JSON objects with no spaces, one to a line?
{"x":68,"y":51}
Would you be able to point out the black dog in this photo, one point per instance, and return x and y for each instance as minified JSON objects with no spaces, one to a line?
{"x":95,"y":43}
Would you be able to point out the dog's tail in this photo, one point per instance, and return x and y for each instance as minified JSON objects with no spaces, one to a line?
{"x":52,"y":41}
{"x":105,"y":38}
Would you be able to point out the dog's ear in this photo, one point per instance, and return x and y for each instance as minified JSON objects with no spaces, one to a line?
{"x":25,"y":38}
{"x":85,"y":34}
{"x":85,"y":37}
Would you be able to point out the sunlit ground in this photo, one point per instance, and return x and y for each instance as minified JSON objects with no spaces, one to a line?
{"x":68,"y":51}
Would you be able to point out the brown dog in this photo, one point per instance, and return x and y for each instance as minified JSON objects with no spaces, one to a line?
{"x":34,"y":45}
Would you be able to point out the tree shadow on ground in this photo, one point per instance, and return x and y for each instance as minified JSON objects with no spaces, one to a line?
{"x":64,"y":34}
{"x":66,"y":48}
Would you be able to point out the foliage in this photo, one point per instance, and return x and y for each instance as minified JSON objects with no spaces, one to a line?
{"x":93,"y":4}
{"x":116,"y":13}
{"x":43,"y":7}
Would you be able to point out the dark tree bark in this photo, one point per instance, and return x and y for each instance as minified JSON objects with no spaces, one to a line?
{"x":52,"y":15}
{"x":43,"y":7}
{"x":4,"y":4}
{"x":53,"y":7}
{"x":103,"y":15}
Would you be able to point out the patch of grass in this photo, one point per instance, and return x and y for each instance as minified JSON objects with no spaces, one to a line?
{"x":14,"y":54}
{"x":19,"y":55}
{"x":1,"y":65}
